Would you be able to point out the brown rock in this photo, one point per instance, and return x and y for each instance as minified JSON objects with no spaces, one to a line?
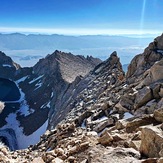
{"x":161,"y":92}
{"x":105,"y":138}
{"x":104,"y":124}
{"x":158,"y":115}
{"x":113,"y":155}
{"x":121,"y":124}
{"x":143,"y":96}
{"x":155,"y":71}
{"x":135,"y":144}
{"x":160,"y":160}
{"x":152,"y":140}
{"x":118,"y":137}
{"x":83,"y":146}
{"x":135,"y":124}
{"x":38,"y":160}
{"x":71,"y":159}
{"x":150,"y":160}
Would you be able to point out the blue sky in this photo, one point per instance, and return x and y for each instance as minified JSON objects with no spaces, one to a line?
{"x":82,"y":16}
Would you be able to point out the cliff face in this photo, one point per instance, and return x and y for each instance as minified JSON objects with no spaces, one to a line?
{"x":86,"y":93}
{"x":144,"y":61}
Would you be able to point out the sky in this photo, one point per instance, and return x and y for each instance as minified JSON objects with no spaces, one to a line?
{"x":82,"y":17}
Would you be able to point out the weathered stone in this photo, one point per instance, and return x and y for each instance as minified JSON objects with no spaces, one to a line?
{"x":118,"y":137}
{"x":92,"y":133}
{"x":161,"y":92}
{"x":112,"y":155}
{"x":121,"y":124}
{"x":83,"y":146}
{"x":158,"y":115}
{"x":71,"y":159}
{"x":105,"y":138}
{"x":104,"y":124}
{"x":136,"y":123}
{"x":142,"y":97}
{"x":59,"y":151}
{"x":135,"y":144}
{"x":151,"y":141}
{"x":137,"y":136}
{"x":57,"y":160}
{"x":38,"y":160}
{"x":155,"y":71}
{"x":150,"y":160}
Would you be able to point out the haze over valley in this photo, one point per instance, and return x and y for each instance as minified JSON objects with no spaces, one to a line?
{"x":28,"y":49}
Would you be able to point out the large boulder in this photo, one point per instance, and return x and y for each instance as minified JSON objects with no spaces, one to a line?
{"x":151,"y":141}
{"x":142,"y":62}
{"x":133,"y":125}
{"x":143,"y":96}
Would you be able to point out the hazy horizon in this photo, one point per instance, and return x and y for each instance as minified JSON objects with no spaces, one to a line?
{"x":28,"y":49}
{"x":140,"y":19}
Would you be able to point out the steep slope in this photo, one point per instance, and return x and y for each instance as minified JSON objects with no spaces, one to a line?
{"x":106,"y":116}
{"x":112,"y":114}
{"x":38,"y":87}
{"x":87,"y":91}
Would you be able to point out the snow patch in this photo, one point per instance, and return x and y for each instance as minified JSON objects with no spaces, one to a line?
{"x":6,"y":65}
{"x":32,"y":81}
{"x":48,"y":104}
{"x":128,"y":115}
{"x":38,"y":85}
{"x":160,"y":51}
{"x":83,"y":124}
{"x":23,"y":140}
{"x":52,"y":94}
{"x":22,"y":79}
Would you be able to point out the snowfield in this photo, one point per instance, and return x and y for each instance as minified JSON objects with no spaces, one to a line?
{"x":12,"y":122}
{"x":23,"y":140}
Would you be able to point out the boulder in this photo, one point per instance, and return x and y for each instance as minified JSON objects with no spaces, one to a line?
{"x":155,"y":71}
{"x":151,"y":141}
{"x":158,"y":115}
{"x":136,"y":123}
{"x":113,"y":155}
{"x":121,"y":124}
{"x":102,"y":125}
{"x":161,"y":92}
{"x":57,"y":160}
{"x":142,"y":97}
{"x":38,"y":160}
{"x":105,"y":138}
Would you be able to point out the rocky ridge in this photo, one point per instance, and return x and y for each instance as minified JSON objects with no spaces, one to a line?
{"x":39,"y":88}
{"x":110,"y":116}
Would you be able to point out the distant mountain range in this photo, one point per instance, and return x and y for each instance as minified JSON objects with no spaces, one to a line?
{"x":33,"y":47}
